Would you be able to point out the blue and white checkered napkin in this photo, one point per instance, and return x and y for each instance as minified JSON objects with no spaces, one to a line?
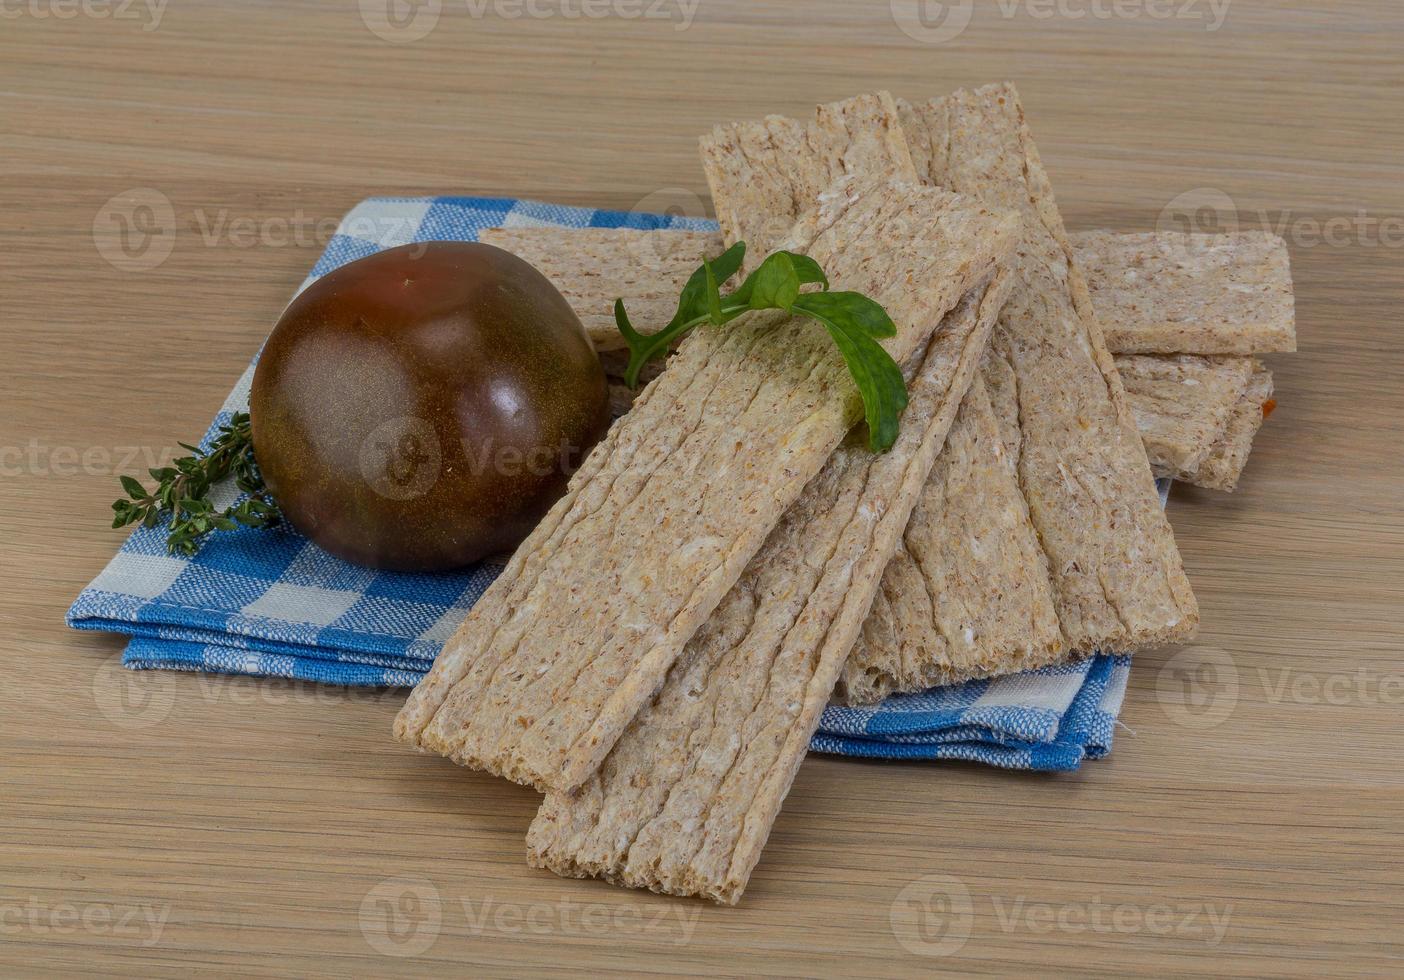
{"x":269,"y":602}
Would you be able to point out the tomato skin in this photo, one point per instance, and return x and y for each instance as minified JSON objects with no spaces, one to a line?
{"x":422,"y":408}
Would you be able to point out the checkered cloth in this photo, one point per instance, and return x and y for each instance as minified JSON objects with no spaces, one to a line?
{"x":271,"y":603}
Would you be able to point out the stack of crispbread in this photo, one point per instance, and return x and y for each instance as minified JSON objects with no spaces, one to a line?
{"x":1185,"y":314}
{"x":656,"y":656}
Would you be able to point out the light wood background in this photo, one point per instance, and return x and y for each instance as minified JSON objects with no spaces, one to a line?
{"x":268,"y":827}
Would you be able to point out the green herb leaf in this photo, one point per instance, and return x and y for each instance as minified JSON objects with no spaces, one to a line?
{"x":773,"y":286}
{"x":854,"y":321}
{"x":713,"y":294}
{"x":877,"y":375}
{"x":134,"y":489}
{"x":182,"y":491}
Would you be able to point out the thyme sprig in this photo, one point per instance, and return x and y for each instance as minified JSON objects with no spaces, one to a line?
{"x":183,"y":491}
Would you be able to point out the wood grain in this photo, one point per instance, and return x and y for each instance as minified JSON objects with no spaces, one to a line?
{"x":264,"y":823}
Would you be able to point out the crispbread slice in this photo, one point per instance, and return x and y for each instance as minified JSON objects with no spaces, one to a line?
{"x":580,"y":629}
{"x":1165,"y":292}
{"x":592,"y":267}
{"x":1224,"y":463}
{"x":972,"y":601}
{"x":1118,"y":581}
{"x":764,"y":174}
{"x":1182,"y":403}
{"x":685,"y":801}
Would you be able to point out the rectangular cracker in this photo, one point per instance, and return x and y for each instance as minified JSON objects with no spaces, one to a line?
{"x":763,"y":174}
{"x":563,"y":649}
{"x":1224,"y":463}
{"x":685,"y":801}
{"x":1182,"y":402}
{"x":1117,"y":578}
{"x":592,"y":267}
{"x":1165,"y":292}
{"x":971,"y":601}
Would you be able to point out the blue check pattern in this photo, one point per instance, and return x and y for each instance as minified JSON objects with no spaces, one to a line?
{"x":271,"y":603}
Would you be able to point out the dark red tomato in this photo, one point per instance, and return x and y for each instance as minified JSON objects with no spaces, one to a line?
{"x":422,"y":407}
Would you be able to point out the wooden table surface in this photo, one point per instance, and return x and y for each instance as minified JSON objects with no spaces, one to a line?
{"x":1249,"y":819}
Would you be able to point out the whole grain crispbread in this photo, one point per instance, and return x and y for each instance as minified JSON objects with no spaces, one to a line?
{"x":1182,"y":403}
{"x":558,"y":655}
{"x":764,"y":174}
{"x":1224,"y":463}
{"x":1118,"y":581}
{"x":1166,"y":292}
{"x":592,"y":267}
{"x":972,"y":601}
{"x":686,"y":799}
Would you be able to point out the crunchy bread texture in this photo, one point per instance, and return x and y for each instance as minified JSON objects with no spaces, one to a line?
{"x":1224,"y":463}
{"x":1182,"y":403}
{"x":971,"y":601}
{"x":592,"y":267}
{"x":1165,"y":292}
{"x":685,"y":801}
{"x":581,"y":628}
{"x":1118,"y":581}
{"x":764,"y":174}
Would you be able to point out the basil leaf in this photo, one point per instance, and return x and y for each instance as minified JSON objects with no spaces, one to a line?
{"x":879,"y":379}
